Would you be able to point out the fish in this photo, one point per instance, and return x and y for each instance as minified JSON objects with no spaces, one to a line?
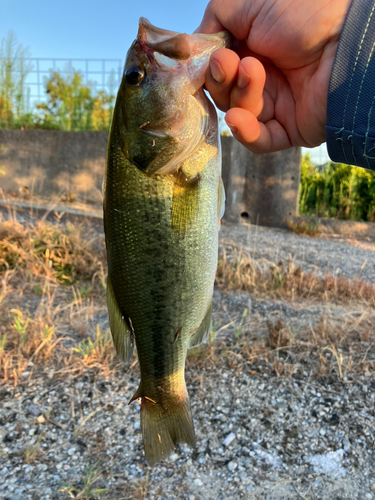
{"x":163,"y":200}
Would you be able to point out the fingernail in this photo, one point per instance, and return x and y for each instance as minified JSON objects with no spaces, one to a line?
{"x":217,"y":71}
{"x":232,"y":127}
{"x":243,"y":79}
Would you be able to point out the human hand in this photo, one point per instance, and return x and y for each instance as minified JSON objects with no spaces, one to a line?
{"x":273,"y":84}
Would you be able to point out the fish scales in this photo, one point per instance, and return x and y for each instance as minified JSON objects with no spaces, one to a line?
{"x":174,"y":291}
{"x":161,"y":224}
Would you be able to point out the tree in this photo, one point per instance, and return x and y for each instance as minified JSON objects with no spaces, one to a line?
{"x":14,"y":68}
{"x":72,"y":105}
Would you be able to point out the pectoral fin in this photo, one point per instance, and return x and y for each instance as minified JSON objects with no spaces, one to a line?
{"x":201,"y":333}
{"x":121,"y":330}
{"x":221,"y":201}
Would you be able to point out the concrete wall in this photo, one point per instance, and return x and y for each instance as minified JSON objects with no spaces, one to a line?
{"x":260,"y":189}
{"x":50,"y":162}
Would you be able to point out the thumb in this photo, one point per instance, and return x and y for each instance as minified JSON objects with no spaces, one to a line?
{"x":210,"y":23}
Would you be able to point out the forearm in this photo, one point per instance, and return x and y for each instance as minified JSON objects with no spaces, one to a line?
{"x":350,"y":126}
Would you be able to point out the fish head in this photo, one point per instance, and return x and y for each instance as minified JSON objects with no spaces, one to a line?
{"x":162,"y":114}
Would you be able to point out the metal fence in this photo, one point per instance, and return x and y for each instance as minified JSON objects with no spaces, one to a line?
{"x":103,"y":74}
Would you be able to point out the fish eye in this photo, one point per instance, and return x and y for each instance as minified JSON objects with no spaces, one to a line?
{"x":134,"y":74}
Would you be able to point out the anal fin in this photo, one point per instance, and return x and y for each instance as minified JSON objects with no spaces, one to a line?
{"x":201,"y":333}
{"x":122,"y":332}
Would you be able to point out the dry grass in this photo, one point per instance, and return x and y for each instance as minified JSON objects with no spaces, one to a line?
{"x":325,"y":348}
{"x":241,"y":272}
{"x":61,"y":268}
{"x":60,"y":271}
{"x":29,"y":345}
{"x":62,"y":254}
{"x":304,"y":228}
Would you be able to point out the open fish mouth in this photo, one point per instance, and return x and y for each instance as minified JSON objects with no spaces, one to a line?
{"x":165,"y":111}
{"x":170,"y":49}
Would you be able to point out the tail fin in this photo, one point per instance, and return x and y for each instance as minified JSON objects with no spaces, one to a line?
{"x":163,"y":426}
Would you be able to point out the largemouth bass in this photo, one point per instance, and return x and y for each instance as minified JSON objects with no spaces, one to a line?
{"x":163,"y":198}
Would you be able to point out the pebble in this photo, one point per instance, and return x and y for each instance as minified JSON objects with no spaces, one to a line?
{"x":33,"y":410}
{"x":232,"y":466}
{"x":346,"y":443}
{"x":229,"y":439}
{"x":198,"y":482}
{"x":173,"y":457}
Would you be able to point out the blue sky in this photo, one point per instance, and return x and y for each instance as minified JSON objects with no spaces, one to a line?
{"x":96,"y":29}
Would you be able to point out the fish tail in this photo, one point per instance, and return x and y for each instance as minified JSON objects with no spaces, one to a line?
{"x":164,"y":425}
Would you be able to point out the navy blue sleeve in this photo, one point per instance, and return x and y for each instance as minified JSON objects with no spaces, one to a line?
{"x":350,"y":128}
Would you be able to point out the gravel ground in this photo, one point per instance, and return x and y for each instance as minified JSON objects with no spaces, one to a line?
{"x":331,"y":255}
{"x":259,"y":436}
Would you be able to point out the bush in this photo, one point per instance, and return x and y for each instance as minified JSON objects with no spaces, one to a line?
{"x":337,"y":190}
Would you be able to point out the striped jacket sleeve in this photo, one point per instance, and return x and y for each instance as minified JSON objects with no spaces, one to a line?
{"x":350,"y":127}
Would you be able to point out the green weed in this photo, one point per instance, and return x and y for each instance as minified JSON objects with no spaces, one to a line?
{"x":89,"y":348}
{"x":34,"y":450}
{"x":92,"y":475}
{"x":20,"y":325}
{"x":3,"y":341}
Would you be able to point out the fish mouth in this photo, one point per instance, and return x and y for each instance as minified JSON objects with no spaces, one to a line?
{"x":175,"y":51}
{"x":182,"y":59}
{"x":170,"y":49}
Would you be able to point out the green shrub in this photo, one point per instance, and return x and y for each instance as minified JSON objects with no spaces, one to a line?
{"x":337,"y":190}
